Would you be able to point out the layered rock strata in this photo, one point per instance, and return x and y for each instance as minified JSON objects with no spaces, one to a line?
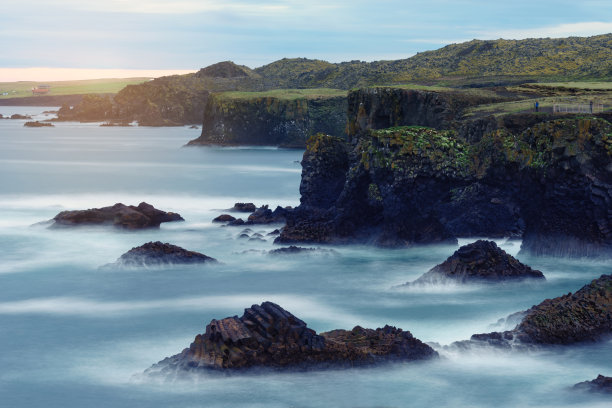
{"x":580,"y":317}
{"x":269,"y":336}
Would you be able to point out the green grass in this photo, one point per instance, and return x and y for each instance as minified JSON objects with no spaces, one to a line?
{"x":24,"y":88}
{"x":598,"y":86}
{"x":286,"y":94}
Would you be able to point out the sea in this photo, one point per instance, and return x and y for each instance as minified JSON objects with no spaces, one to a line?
{"x":73,"y":334}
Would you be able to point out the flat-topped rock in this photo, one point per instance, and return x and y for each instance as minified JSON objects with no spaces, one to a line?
{"x":159,"y":254}
{"x":119,"y":215}
{"x":601,"y":384}
{"x":480,"y":261}
{"x":584,"y":316}
{"x":269,"y":336}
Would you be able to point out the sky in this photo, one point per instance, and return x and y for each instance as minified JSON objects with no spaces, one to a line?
{"x":111,"y":38}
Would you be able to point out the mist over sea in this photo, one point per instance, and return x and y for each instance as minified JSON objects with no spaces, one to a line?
{"x":74,"y":335}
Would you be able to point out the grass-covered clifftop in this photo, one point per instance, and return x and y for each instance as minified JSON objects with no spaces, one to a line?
{"x":181,"y":99}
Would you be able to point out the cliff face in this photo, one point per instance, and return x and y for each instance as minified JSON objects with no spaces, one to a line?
{"x":268,"y":120}
{"x":550,"y":184}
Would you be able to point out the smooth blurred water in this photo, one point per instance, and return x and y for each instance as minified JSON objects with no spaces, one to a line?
{"x":74,"y":335}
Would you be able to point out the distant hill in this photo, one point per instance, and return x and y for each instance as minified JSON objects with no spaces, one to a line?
{"x":181,"y":98}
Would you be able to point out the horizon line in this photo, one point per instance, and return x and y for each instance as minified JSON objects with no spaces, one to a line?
{"x":56,"y":74}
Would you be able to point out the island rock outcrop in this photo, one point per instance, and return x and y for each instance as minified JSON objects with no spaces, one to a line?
{"x":580,"y":317}
{"x":157,"y":253}
{"x":480,"y":261}
{"x":119,"y":215}
{"x":269,"y":336}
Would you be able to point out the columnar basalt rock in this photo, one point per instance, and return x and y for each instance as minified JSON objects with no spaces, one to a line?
{"x":119,"y":215}
{"x":269,"y":336}
{"x":584,"y":316}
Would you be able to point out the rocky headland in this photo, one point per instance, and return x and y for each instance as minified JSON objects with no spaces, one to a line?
{"x":119,"y":215}
{"x":550,"y":184}
{"x":272,"y":119}
{"x":267,"y":336}
{"x":481,"y":261}
{"x":154,"y":254}
{"x":584,"y":316}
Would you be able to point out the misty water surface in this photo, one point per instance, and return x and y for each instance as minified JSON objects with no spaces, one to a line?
{"x":74,"y":335}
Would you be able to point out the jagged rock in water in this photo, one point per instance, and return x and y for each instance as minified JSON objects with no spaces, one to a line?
{"x":119,"y":215}
{"x":601,"y":384}
{"x":480,"y":261}
{"x":263,"y":215}
{"x":268,"y":336}
{"x":244,"y":207}
{"x":580,"y":317}
{"x":158,"y":254}
{"x":224,"y":218}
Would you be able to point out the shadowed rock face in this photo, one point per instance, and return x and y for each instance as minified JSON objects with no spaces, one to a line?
{"x":157,"y":254}
{"x":550,"y":184}
{"x":119,"y":215}
{"x":583,"y":316}
{"x":269,"y":336}
{"x":480,"y":261}
{"x":600,"y":384}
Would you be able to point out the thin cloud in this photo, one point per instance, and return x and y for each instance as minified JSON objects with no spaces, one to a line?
{"x":582,"y":29}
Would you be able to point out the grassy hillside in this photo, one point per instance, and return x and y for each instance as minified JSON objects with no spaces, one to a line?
{"x":286,"y":94}
{"x":95,"y":86}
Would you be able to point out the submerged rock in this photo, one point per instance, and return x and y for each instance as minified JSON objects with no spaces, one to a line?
{"x":580,"y":317}
{"x":480,"y":261}
{"x":600,"y":384}
{"x":119,"y":215}
{"x":268,"y":336}
{"x":294,"y":250}
{"x":158,"y":254}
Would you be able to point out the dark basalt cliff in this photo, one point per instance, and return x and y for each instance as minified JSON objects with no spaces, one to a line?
{"x":267,"y":120}
{"x":269,"y":336}
{"x":119,"y":215}
{"x":381,"y":108}
{"x":583,"y":316}
{"x":159,"y":254}
{"x":550,"y":184}
{"x":480,"y":261}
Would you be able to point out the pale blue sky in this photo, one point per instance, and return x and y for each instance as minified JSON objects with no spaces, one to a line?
{"x":189,"y":34}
